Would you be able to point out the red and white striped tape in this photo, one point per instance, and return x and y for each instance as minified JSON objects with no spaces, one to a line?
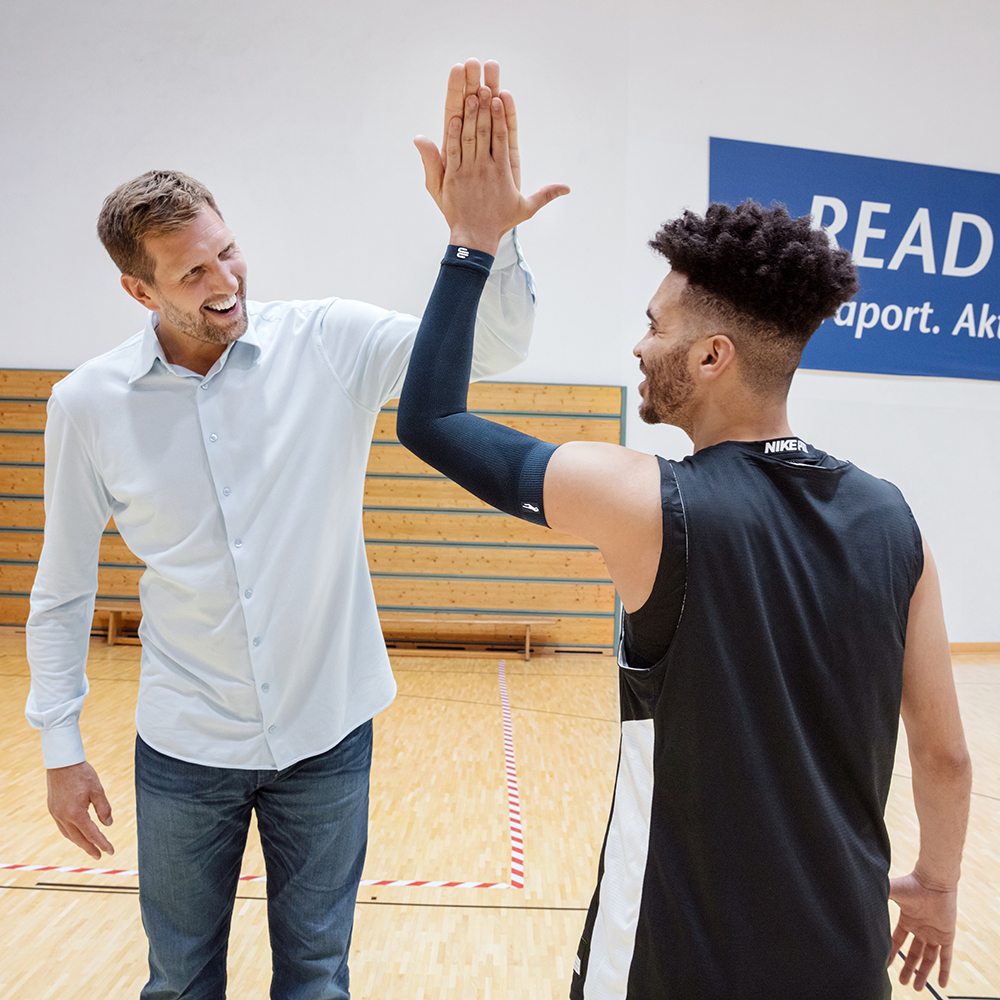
{"x":513,"y":810}
{"x":513,"y":800}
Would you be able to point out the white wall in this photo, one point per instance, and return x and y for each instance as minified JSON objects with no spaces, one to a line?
{"x":299,"y":114}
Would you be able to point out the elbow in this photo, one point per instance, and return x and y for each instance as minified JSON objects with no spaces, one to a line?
{"x":413,"y":433}
{"x":949,"y":762}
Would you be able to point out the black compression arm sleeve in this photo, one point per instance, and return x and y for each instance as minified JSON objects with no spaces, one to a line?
{"x":499,"y":465}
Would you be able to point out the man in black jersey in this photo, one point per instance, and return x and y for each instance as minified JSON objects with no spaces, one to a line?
{"x":781,"y":612}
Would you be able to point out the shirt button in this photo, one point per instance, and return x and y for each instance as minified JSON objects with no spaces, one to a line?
{"x":204,"y":385}
{"x":272,"y":729}
{"x":238,"y":543}
{"x":265,"y":687}
{"x":256,"y":640}
{"x":226,"y":491}
{"x":213,"y":437}
{"x":248,"y":593}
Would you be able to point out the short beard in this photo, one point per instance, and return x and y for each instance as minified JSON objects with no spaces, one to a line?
{"x":200,"y":328}
{"x":669,"y":388}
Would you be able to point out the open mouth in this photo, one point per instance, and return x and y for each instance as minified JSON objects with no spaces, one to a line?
{"x":225,"y":308}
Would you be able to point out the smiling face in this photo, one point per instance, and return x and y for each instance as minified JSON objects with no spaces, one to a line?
{"x":199,"y":284}
{"x":664,"y":355}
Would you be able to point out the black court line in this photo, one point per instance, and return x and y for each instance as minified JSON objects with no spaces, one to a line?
{"x":127,"y":890}
{"x":472,"y":906}
{"x":934,"y":992}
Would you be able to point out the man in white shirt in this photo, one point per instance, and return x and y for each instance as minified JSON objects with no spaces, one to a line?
{"x":229,"y":440}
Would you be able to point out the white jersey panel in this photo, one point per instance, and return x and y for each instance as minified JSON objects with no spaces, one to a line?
{"x":625,"y":853}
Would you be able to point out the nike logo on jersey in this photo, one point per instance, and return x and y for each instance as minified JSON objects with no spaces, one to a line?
{"x":785,"y":444}
{"x":530,"y":506}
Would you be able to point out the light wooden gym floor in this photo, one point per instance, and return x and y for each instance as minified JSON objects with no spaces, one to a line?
{"x":439,"y":812}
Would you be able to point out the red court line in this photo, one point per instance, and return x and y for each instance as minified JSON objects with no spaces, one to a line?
{"x":513,"y":800}
{"x":513,"y":815}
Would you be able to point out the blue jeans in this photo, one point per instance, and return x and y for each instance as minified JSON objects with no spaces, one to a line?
{"x":192,"y":824}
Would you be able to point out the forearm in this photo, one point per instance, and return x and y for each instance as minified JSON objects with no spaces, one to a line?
{"x":941,"y":790}
{"x":497,"y":464}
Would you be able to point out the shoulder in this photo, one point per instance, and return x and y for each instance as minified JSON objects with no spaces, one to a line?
{"x":113,"y":368}
{"x":327,"y":315}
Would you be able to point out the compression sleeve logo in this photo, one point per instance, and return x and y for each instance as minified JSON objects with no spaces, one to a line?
{"x":922,"y":237}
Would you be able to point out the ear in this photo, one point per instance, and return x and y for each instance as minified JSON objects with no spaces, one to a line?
{"x":139,"y":291}
{"x":716,"y":355}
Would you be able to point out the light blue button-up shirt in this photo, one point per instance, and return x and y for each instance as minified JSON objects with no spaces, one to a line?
{"x":241,"y":490}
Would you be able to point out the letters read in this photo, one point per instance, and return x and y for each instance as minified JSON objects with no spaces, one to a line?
{"x":917,"y":241}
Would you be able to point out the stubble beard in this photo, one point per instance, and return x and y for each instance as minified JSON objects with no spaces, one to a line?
{"x":669,"y":388}
{"x":200,"y":328}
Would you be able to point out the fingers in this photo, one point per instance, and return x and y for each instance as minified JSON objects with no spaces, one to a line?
{"x":453,"y":155}
{"x":72,"y":790}
{"x":102,"y":807}
{"x":944,"y":965}
{"x":484,"y":123}
{"x":491,"y":76}
{"x":910,"y":960}
{"x":86,"y":835}
{"x":454,"y":99}
{"x":469,"y":130}
{"x":471,"y":76}
{"x":928,"y":959}
{"x":899,"y":936}
{"x":499,"y":122}
{"x":513,"y":153}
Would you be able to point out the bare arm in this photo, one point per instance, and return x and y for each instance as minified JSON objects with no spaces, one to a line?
{"x":610,"y":496}
{"x":942,"y":782}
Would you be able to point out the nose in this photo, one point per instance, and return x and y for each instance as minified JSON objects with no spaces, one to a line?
{"x":225,"y":279}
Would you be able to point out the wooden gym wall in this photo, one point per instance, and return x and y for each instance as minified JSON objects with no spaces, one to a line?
{"x":435,"y":551}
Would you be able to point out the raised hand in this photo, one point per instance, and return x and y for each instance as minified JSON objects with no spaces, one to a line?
{"x":476,"y":192}
{"x":928,"y":914}
{"x":463,"y":83}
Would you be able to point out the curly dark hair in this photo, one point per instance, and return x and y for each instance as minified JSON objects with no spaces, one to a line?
{"x":762,"y":262}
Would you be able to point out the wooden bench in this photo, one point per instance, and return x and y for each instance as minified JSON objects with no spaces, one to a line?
{"x":118,"y":612}
{"x":434,"y":550}
{"x":442,"y":634}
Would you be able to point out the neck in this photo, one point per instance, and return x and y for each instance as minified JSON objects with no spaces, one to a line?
{"x":186,"y":351}
{"x":763,"y":423}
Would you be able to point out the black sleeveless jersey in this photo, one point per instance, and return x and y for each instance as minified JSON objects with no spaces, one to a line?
{"x":746,"y":856}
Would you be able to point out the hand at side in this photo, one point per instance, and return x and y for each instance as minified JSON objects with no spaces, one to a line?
{"x":72,"y":790}
{"x":928,"y":914}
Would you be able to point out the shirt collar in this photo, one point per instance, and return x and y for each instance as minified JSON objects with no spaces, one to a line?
{"x":151,"y":350}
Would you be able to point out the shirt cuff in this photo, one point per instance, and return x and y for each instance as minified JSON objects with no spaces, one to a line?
{"x":62,"y":747}
{"x":509,"y":250}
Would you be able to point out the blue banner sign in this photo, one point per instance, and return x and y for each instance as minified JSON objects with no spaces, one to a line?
{"x":922,"y":238}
